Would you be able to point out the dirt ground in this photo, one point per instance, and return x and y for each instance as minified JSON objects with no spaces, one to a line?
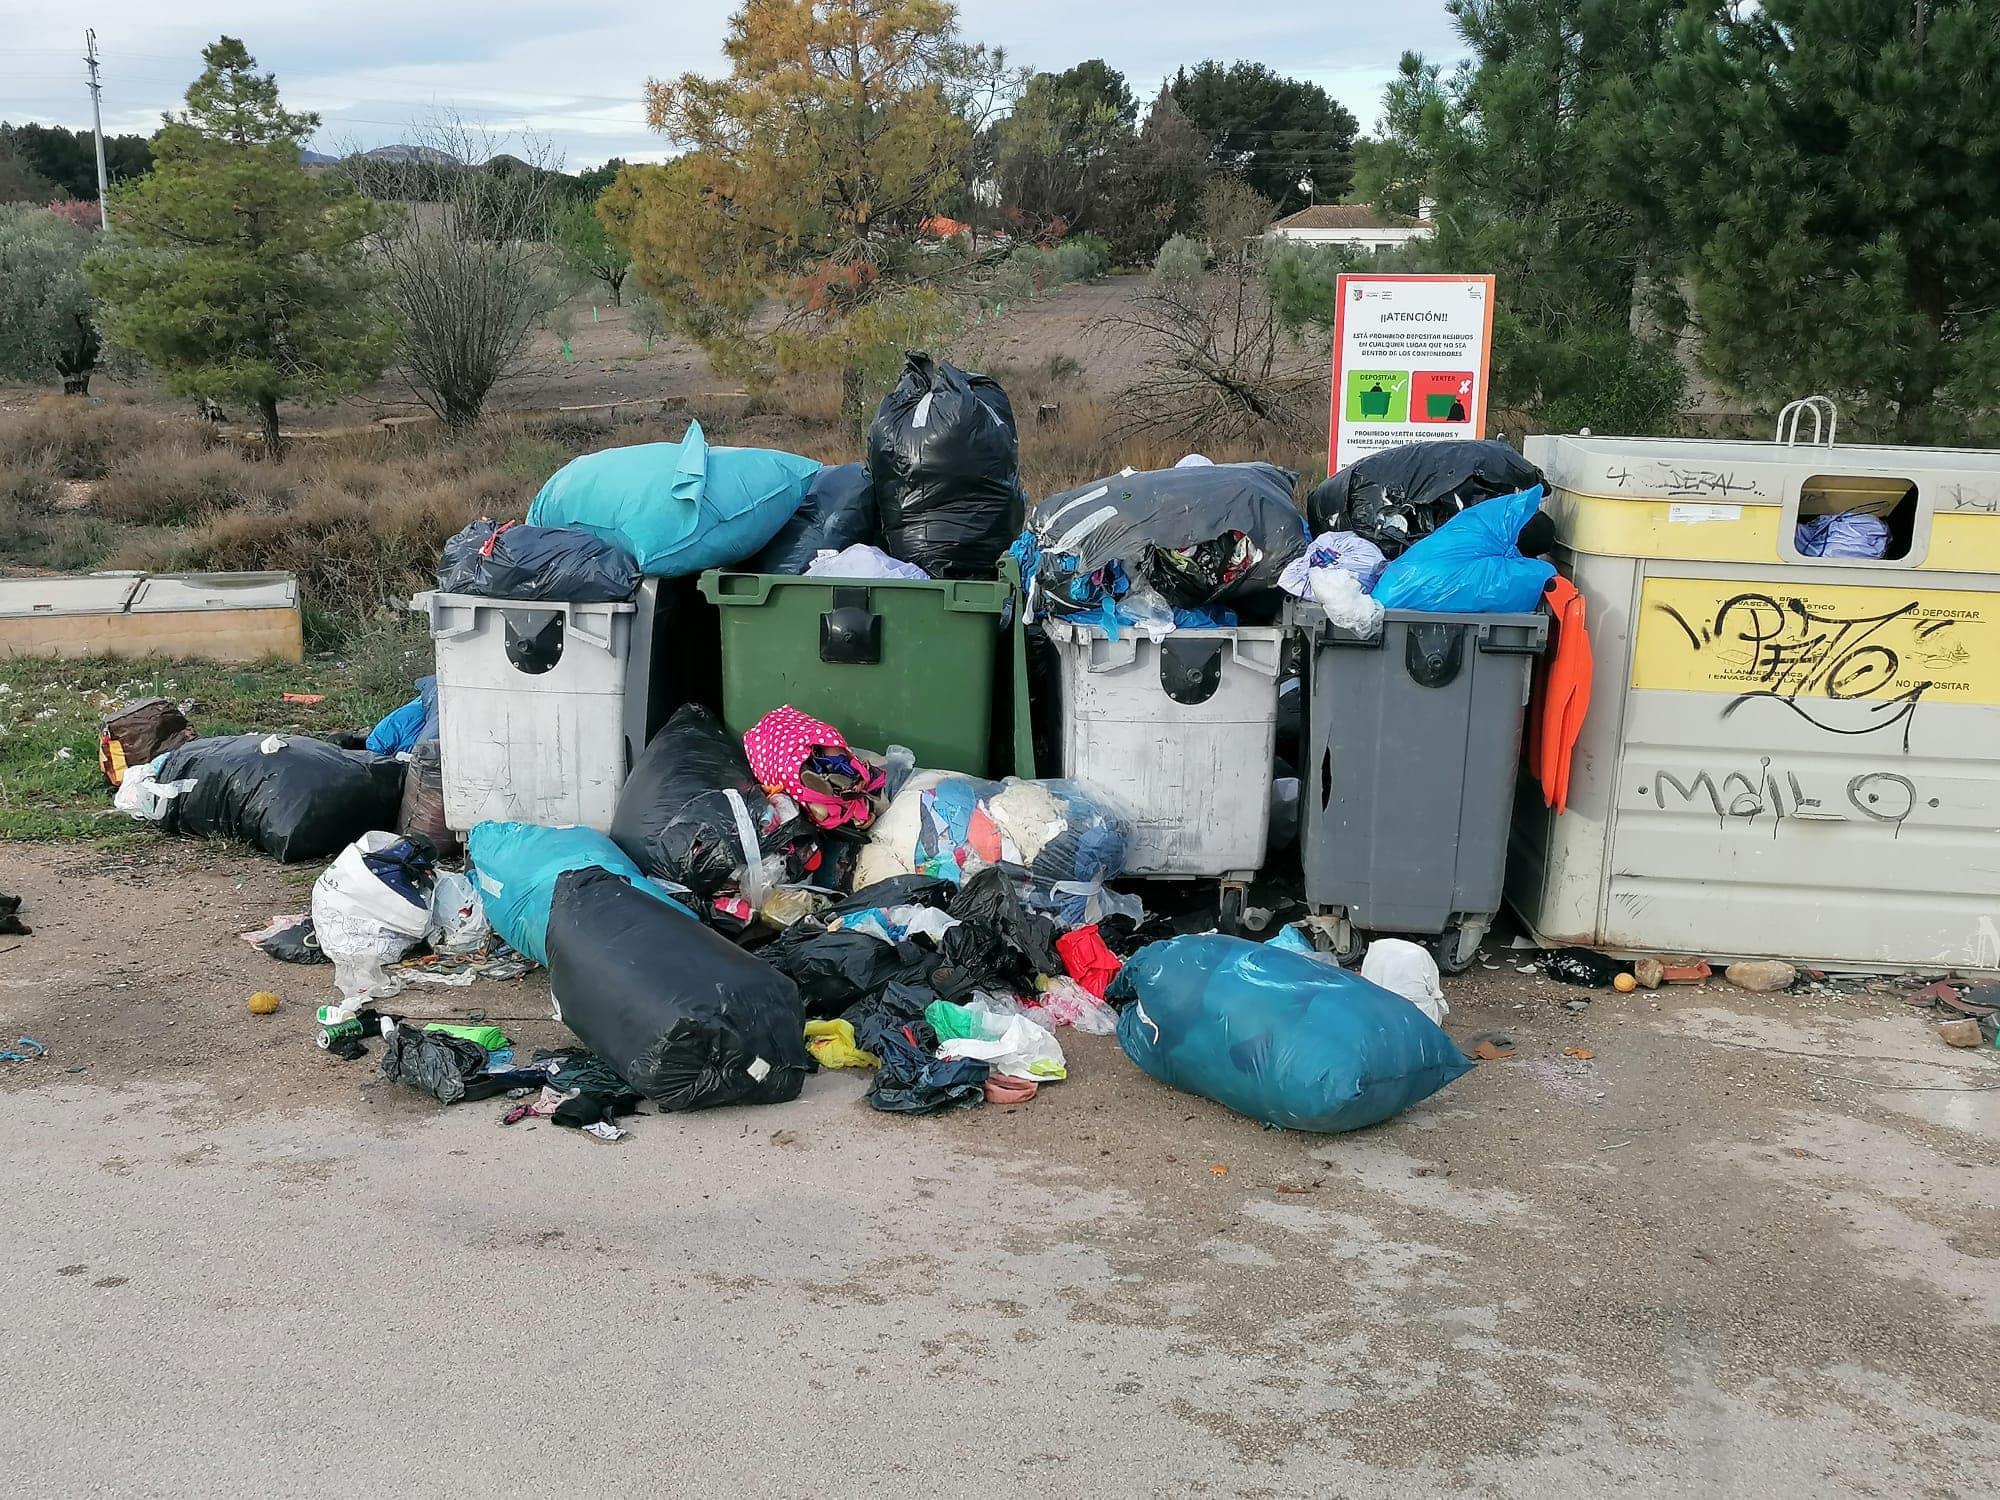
{"x":1749,"y":1246}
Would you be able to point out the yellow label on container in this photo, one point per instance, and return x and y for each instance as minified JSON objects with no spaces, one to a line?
{"x":1818,"y":643}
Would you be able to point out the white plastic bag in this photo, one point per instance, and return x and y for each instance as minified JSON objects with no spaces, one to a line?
{"x":362,"y":924}
{"x":458,"y":917}
{"x":1404,"y":968}
{"x":861,"y":561}
{"x":1012,"y":1045}
{"x":142,"y":795}
{"x":1339,"y":594}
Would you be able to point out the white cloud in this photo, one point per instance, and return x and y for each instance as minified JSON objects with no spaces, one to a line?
{"x":573,"y":75}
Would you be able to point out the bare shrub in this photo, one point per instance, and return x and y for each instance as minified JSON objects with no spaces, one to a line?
{"x":178,"y":484}
{"x":70,"y":439}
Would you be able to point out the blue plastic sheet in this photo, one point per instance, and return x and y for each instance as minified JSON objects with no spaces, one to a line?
{"x":1283,"y":1037}
{"x":678,"y":507}
{"x":1472,"y":564}
{"x":402,"y":730}
{"x":515,"y":866}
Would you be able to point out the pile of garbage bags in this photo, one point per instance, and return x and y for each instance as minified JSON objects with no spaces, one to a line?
{"x":516,"y":867}
{"x":1400,"y":495}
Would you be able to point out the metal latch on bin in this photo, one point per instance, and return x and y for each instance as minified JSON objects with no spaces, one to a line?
{"x":1190,"y":670}
{"x":1433,"y":654}
{"x":850,"y":634}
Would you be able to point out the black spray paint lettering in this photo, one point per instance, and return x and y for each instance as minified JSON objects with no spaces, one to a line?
{"x":1676,"y":480}
{"x":1790,"y":650}
{"x":1876,"y":796}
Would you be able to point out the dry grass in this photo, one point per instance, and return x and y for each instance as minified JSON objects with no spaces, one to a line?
{"x":361,"y":518}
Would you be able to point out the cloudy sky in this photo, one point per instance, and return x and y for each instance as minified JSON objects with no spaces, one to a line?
{"x":571,"y":73}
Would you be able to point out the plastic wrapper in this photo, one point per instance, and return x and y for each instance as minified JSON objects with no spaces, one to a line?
{"x":838,"y":512}
{"x":422,"y":812}
{"x":1199,"y":536}
{"x":1472,"y":564}
{"x":1394,"y":497}
{"x":946,"y":468}
{"x":295,"y":798}
{"x":516,"y":866}
{"x":370,"y":907}
{"x":1285,"y":1038}
{"x":681,"y":1014}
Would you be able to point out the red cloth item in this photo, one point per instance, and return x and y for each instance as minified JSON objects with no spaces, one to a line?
{"x":1561,"y":695}
{"x":1089,"y":962}
{"x":1004,"y":1089}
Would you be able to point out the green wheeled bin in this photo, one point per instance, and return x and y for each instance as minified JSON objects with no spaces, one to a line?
{"x":938,"y":665}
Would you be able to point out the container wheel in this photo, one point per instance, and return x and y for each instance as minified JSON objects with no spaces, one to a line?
{"x":1350,"y":948}
{"x":1457,"y":949}
{"x":1229,"y":912}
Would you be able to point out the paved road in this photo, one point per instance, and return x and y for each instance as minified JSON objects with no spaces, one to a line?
{"x":1751,"y":1247}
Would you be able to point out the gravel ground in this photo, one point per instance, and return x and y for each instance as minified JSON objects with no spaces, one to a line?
{"x":1749,"y":1246}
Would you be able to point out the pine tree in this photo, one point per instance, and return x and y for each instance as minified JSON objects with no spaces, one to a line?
{"x":1830,"y":173}
{"x":234,"y":272}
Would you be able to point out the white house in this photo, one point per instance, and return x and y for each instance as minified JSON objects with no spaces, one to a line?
{"x":1349,"y":224}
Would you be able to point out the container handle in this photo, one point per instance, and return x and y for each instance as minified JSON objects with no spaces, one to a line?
{"x":573,"y":626}
{"x":722,"y":587}
{"x":443,"y":632}
{"x":1256,"y":654}
{"x":1513,"y":640}
{"x":1109,"y":655}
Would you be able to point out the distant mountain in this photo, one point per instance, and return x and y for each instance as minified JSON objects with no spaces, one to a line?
{"x":430,"y":156}
{"x":318,"y":158}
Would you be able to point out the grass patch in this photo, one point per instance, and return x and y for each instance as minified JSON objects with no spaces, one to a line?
{"x":50,"y":786}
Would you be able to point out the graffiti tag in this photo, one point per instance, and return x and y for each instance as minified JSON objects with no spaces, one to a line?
{"x":1681,"y":479}
{"x":1745,"y":796}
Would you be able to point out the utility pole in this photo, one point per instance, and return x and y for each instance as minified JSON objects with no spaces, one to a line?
{"x":97,"y":124}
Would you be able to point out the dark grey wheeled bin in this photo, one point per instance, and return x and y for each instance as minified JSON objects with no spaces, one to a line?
{"x":1412,"y":744}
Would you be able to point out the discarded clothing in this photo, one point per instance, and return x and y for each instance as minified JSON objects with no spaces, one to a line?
{"x":832,"y":1043}
{"x":835,"y":969}
{"x":1000,"y":1089}
{"x":800,"y":757}
{"x":1285,"y":1038}
{"x":1846,"y":533}
{"x":911,"y":1081}
{"x":896,"y":1012}
{"x":397,"y":732}
{"x":1560,"y":696}
{"x":1087,"y":960}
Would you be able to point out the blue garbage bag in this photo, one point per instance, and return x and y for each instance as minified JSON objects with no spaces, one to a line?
{"x":404,"y":729}
{"x":678,"y":507}
{"x":1472,"y":564}
{"x":515,"y":866}
{"x":399,"y":731}
{"x":1283,"y":1037}
{"x":1847,"y":533}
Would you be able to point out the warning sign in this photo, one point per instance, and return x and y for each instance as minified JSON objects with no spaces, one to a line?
{"x":1410,"y":361}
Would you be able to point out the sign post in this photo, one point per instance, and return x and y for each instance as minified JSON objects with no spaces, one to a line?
{"x":1411,"y":357}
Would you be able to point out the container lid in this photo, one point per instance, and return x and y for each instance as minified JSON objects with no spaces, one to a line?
{"x":1746,"y":473}
{"x":171,"y":592}
{"x":84,"y":594}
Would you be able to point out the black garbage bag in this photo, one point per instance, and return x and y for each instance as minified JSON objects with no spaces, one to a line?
{"x":1173,"y":528}
{"x":946,"y":468}
{"x":681,"y":1014}
{"x":834,"y":970}
{"x":1400,"y":494}
{"x":998,"y":943}
{"x":497,"y":560}
{"x":838,"y":512}
{"x":295,"y":798}
{"x":676,"y":816}
{"x":897,"y":890}
{"x":449,"y":1068}
{"x":896,"y":1012}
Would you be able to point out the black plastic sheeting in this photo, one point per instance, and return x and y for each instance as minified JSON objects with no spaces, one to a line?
{"x":684,"y":1016}
{"x":542,"y":563}
{"x":1128,"y":518}
{"x":674,"y":816}
{"x":303,"y":800}
{"x":946,"y":467}
{"x":1400,"y":494}
{"x":838,"y":512}
{"x":998,"y":943}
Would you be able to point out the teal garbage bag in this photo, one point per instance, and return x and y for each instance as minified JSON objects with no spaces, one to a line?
{"x":1283,"y":1037}
{"x":515,"y":866}
{"x":678,"y":507}
{"x":1472,"y":564}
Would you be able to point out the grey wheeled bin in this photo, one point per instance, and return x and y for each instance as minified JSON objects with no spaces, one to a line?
{"x":1412,"y":743}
